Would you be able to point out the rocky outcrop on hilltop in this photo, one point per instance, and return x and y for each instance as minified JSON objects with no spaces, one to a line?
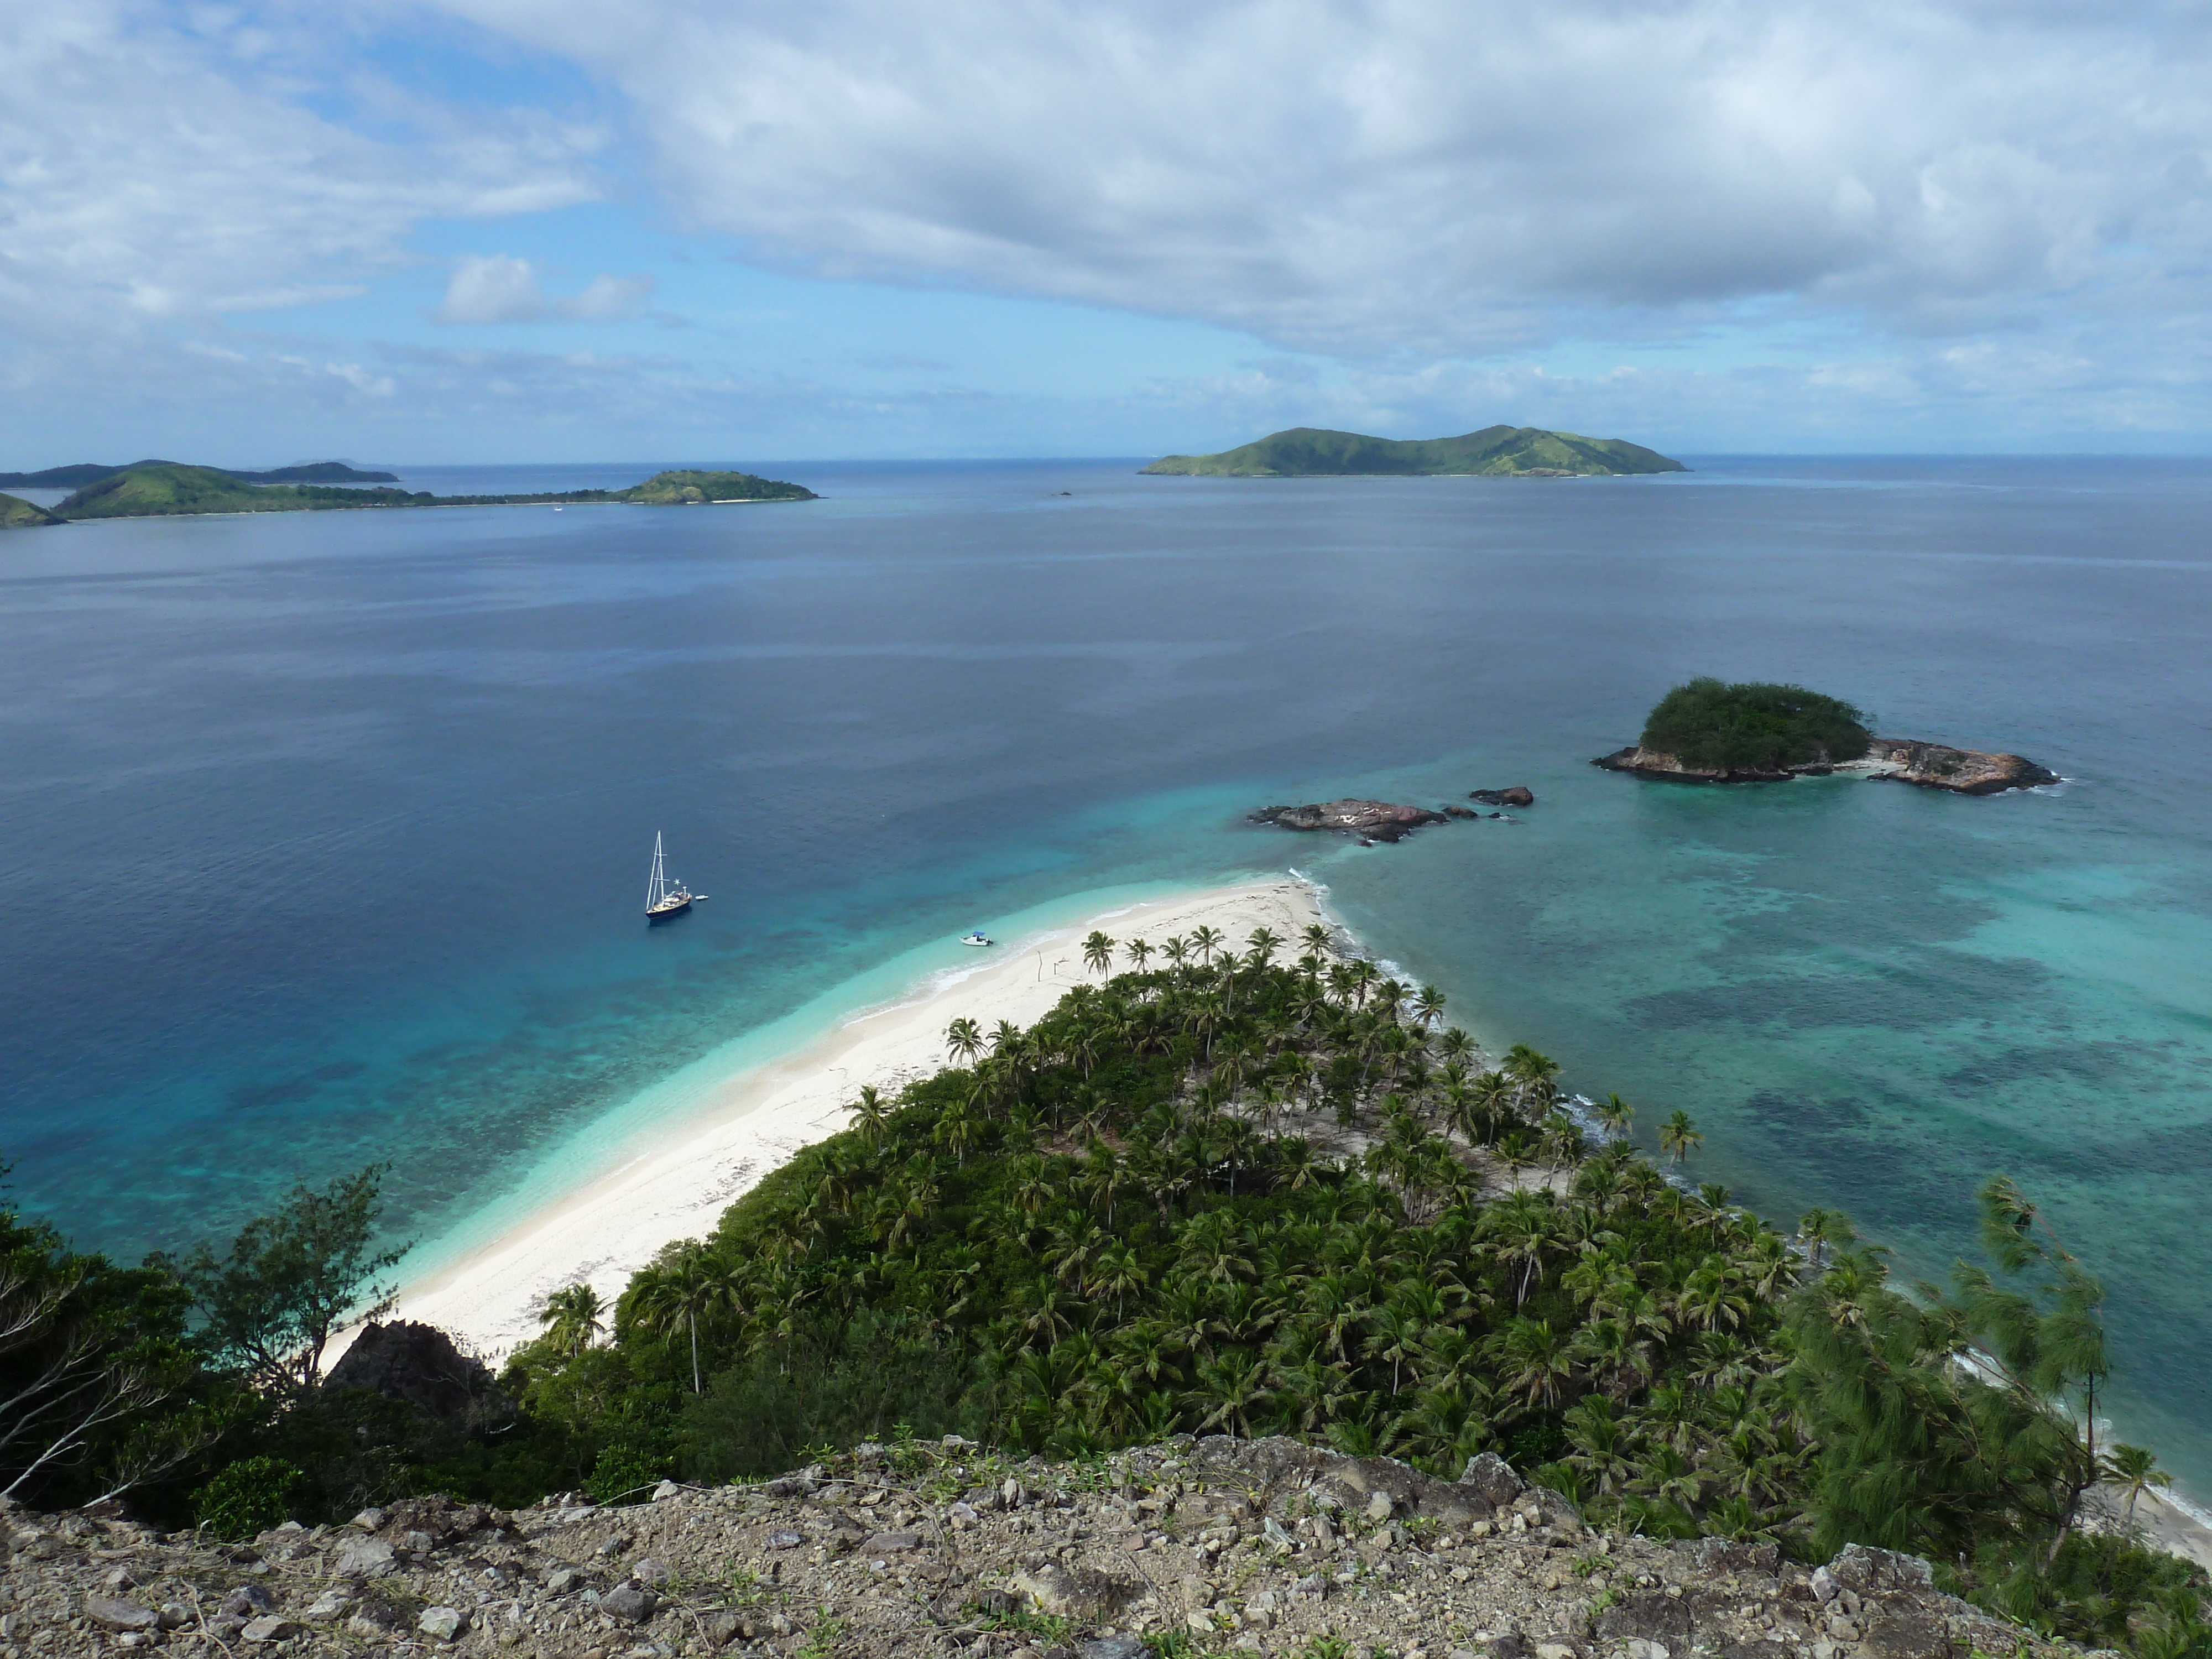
{"x":1370,"y":820}
{"x":1907,"y":760}
{"x":888,"y":1552}
{"x":1966,"y":771}
{"x":419,"y":1363}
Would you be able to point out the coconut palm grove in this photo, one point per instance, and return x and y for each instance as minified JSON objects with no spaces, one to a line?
{"x":1221,"y":1192}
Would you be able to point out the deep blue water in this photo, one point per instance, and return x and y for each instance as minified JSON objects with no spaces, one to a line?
{"x":325,"y":835}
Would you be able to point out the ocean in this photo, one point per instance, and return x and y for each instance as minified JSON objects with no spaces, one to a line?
{"x":326,"y":836}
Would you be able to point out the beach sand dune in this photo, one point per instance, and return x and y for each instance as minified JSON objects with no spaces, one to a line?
{"x":605,"y":1230}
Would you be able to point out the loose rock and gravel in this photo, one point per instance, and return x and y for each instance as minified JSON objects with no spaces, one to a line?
{"x":1192,"y":1547}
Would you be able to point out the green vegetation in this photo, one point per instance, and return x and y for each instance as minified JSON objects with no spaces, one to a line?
{"x":1497,"y":452}
{"x":1230,"y":1195}
{"x":16,"y":513}
{"x":161,"y":488}
{"x":166,"y":488}
{"x":1752,"y":727}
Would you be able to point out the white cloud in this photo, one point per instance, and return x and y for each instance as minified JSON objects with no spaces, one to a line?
{"x":1440,"y":175}
{"x":501,"y":288}
{"x":150,"y":172}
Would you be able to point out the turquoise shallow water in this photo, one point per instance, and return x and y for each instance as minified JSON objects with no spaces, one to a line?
{"x":324,"y":836}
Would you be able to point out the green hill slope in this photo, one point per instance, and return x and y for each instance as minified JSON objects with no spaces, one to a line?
{"x":16,"y":513}
{"x":1497,"y":452}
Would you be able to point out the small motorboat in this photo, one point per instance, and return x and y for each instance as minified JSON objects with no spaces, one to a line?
{"x":975,"y":939}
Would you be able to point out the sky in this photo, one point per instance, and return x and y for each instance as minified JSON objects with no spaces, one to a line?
{"x":708,"y":230}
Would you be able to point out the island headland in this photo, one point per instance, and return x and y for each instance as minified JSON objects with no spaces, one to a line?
{"x":1707,"y":731}
{"x":16,"y":513}
{"x":170,"y":489}
{"x":1496,"y":451}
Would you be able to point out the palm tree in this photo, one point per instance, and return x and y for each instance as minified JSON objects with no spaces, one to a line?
{"x":964,"y":1040}
{"x":1263,"y":945}
{"x":571,"y":1318}
{"x":871,"y":1114}
{"x":1535,"y":1360}
{"x":1617,"y":1115}
{"x":1821,"y":1229}
{"x":1138,"y":953}
{"x":1205,"y":941}
{"x":1315,"y":938}
{"x":1097,"y":952}
{"x":1679,"y":1136}
{"x":2135,"y":1472}
{"x":1175,"y":950}
{"x":677,"y":1289}
{"x":1428,"y":1007}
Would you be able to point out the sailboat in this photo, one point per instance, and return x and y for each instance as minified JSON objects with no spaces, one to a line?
{"x":664,"y":898}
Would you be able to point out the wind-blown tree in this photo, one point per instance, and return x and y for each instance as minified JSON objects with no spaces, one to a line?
{"x":99,"y":1391}
{"x":269,"y":1305}
{"x":1680,"y":1136}
{"x":2135,"y":1473}
{"x":964,"y":1040}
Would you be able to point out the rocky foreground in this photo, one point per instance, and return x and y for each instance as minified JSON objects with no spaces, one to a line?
{"x":1905,"y":760}
{"x":1188,"y":1548}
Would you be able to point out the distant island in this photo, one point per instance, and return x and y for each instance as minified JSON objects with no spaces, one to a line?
{"x":1496,"y":451}
{"x":1709,"y":732}
{"x":167,"y":488}
{"x":87,"y":473}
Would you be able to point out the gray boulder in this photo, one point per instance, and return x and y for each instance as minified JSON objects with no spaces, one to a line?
{"x":116,"y":1613}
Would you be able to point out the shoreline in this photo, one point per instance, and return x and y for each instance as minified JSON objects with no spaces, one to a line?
{"x":752,"y":1120}
{"x":749,"y":1122}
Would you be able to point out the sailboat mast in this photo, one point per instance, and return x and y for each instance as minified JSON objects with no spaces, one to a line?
{"x":653,"y":886}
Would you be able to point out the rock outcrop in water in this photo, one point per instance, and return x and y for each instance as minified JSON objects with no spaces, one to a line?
{"x":1370,"y":820}
{"x":1215,"y":1546}
{"x":1967,"y":771}
{"x":1518,"y":795}
{"x":1907,"y":760}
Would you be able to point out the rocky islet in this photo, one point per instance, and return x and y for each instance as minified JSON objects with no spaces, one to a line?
{"x":1904,"y":760}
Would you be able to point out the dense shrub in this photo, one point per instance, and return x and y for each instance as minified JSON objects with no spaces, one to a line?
{"x":249,"y":1496}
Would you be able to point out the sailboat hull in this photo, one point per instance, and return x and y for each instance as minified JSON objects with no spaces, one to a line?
{"x":666,"y":908}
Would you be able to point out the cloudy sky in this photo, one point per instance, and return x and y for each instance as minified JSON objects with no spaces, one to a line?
{"x":731,"y":229}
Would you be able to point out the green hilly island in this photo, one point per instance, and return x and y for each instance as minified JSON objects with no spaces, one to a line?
{"x":16,"y":513}
{"x":76,"y":476}
{"x":1496,"y":451}
{"x":165,"y":488}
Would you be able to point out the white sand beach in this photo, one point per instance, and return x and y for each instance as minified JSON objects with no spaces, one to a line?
{"x":606,"y":1230}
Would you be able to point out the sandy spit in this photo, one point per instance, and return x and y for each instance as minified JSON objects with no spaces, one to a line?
{"x":605,"y":1230}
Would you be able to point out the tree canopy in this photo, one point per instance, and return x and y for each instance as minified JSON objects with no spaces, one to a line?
{"x":1752,"y":726}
